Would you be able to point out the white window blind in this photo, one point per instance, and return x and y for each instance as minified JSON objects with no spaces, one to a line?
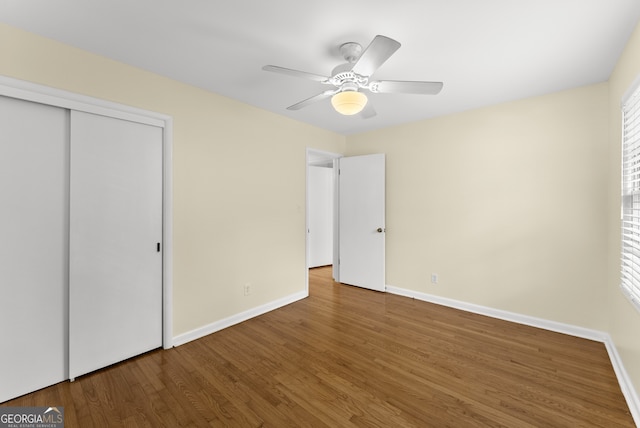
{"x":631,"y":196}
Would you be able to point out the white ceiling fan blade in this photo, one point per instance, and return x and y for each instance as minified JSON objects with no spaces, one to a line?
{"x":368,"y":111}
{"x":296,"y":73}
{"x":378,"y":51}
{"x":313,"y":99}
{"x":406,"y":87}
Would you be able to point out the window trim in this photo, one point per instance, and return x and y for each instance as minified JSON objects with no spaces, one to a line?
{"x":630,"y":260}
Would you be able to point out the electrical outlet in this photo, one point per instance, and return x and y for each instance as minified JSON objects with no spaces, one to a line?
{"x":247,"y":289}
{"x":434,"y":278}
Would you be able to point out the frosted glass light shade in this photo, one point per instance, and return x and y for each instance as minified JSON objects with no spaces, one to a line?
{"x":349,"y":102}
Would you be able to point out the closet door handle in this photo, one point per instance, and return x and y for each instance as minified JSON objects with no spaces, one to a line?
{"x":158,"y":247}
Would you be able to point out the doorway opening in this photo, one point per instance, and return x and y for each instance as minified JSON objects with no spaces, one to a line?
{"x":321,"y":224}
{"x":355,"y":187}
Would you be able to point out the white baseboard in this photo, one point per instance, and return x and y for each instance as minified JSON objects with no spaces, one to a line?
{"x":631,"y":395}
{"x":628,"y":390}
{"x":183,"y":338}
{"x":572,"y":330}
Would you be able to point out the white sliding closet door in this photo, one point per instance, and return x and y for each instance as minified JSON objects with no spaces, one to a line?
{"x":33,"y":246}
{"x":115,"y":236}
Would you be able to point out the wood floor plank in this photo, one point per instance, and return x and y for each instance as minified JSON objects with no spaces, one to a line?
{"x":350,"y":357}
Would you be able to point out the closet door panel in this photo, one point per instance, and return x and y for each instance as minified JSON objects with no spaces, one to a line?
{"x":33,"y":246}
{"x":115,"y":233}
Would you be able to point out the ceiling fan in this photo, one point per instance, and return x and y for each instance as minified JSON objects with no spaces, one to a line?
{"x":351,"y":78}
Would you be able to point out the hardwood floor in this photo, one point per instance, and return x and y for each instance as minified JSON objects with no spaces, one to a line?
{"x":348,"y":357}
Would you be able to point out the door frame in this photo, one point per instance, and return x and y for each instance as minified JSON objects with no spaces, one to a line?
{"x":315,"y":157}
{"x":29,"y":91}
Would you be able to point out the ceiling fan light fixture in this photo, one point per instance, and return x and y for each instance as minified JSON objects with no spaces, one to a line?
{"x":349,"y":78}
{"x":349,"y":102}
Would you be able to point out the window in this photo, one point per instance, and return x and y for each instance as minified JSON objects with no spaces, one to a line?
{"x":631,"y":195}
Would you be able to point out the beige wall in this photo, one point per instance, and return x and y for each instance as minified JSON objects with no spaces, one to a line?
{"x":516,"y":207}
{"x":625,"y":320}
{"x":507,"y":204}
{"x":239,"y":177}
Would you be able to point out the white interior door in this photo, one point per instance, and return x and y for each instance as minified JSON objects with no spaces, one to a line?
{"x":115,"y":273}
{"x":320,"y":216}
{"x":361,"y":213}
{"x":33,"y":246}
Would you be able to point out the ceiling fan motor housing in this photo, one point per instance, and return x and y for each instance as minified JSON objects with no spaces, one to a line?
{"x":342,"y":74}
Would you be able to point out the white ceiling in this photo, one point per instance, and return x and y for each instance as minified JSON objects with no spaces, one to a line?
{"x":485,"y":51}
